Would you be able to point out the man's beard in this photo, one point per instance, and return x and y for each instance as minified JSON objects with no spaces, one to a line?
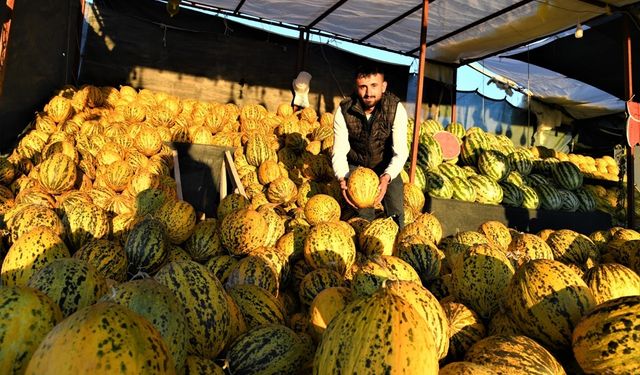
{"x":369,"y":105}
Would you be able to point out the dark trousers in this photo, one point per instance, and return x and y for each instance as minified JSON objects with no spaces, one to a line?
{"x":392,"y":202}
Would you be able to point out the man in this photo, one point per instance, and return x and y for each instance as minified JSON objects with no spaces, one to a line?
{"x":370,"y":129}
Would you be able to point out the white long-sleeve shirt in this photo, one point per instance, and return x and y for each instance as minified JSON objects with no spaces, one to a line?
{"x":341,"y":145}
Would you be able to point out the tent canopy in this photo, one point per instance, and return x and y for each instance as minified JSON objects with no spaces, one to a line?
{"x":458,"y":31}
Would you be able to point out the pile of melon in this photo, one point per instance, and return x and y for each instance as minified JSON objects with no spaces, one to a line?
{"x":492,"y":170}
{"x":105,"y":270}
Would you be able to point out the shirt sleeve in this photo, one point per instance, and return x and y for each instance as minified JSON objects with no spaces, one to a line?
{"x":341,"y":145}
{"x":400,"y":147}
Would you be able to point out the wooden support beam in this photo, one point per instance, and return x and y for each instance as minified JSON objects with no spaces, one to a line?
{"x":421,"y":69}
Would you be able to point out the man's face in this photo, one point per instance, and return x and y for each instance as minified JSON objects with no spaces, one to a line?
{"x":370,"y":89}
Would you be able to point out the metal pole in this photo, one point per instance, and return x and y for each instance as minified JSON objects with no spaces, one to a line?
{"x":418,"y":113}
{"x":628,"y":73}
{"x":454,"y":95}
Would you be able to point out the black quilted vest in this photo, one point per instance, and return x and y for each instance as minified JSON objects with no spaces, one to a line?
{"x":371,"y":140}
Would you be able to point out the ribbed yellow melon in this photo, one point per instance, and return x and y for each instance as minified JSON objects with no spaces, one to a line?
{"x":362,"y":187}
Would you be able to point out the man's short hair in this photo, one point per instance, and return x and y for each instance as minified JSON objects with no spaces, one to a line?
{"x":368,"y":69}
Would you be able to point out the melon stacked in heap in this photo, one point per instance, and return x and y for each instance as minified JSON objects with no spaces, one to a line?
{"x":492,"y":170}
{"x":101,"y":262}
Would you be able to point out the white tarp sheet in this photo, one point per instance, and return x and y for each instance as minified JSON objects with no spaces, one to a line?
{"x":462,"y":29}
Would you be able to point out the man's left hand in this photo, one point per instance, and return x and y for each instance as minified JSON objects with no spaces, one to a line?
{"x":382,"y":187}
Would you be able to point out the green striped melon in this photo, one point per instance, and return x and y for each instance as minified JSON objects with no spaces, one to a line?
{"x":451,"y":170}
{"x":57,"y":173}
{"x":496,"y":232}
{"x":316,"y":281}
{"x":569,"y":246}
{"x":108,"y":257}
{"x":204,"y":242}
{"x":179,"y":219}
{"x":480,"y":278}
{"x":326,"y":245}
{"x":609,"y":281}
{"x":378,"y":334}
{"x":437,"y":185}
{"x":534,"y":180}
{"x":525,"y":247}
{"x":546,"y":299}
{"x":512,"y":194}
{"x":521,"y":161}
{"x":85,"y":223}
{"x":30,"y":253}
{"x":374,"y":271}
{"x":465,"y":328}
{"x":23,"y":217}
{"x":254,"y":270}
{"x":429,"y":127}
{"x":550,"y":198}
{"x":530,"y":198}
{"x":204,"y":300}
{"x":160,"y":307}
{"x":567,"y":175}
{"x":457,"y":244}
{"x":464,"y":367}
{"x":326,"y":306}
{"x":71,"y":283}
{"x":493,"y":164}
{"x":196,"y":365}
{"x":487,"y":190}
{"x":146,"y":247}
{"x":378,"y":237}
{"x":515,"y":178}
{"x":456,"y":129}
{"x":108,"y":337}
{"x":570,"y":201}
{"x":231,"y":203}
{"x":269,"y":349}
{"x":27,"y":317}
{"x":463,"y":190}
{"x":514,"y":354}
{"x":587,"y":200}
{"x":428,"y":307}
{"x":275,"y":224}
{"x":258,"y":306}
{"x":426,"y":225}
{"x":606,"y":339}
{"x":473,"y":144}
{"x":243,"y":230}
{"x":422,"y":255}
{"x":429,"y":152}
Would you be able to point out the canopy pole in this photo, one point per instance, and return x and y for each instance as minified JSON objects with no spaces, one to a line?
{"x":303,"y":40}
{"x":631,"y":220}
{"x":454,"y":94}
{"x":421,"y":68}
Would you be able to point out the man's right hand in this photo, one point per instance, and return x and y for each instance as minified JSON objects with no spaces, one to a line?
{"x":345,"y":193}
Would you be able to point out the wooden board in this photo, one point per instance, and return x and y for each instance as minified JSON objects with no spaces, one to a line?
{"x":457,"y":216}
{"x":202,"y":175}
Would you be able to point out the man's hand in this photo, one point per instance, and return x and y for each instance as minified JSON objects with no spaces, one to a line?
{"x":345,"y":193}
{"x":385,"y":179}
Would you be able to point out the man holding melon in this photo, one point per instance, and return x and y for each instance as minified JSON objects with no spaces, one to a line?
{"x":370,"y":146}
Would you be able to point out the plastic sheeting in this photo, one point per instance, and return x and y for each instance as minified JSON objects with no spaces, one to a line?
{"x":458,"y":30}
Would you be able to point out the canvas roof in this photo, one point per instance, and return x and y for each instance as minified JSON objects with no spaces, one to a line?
{"x":458,"y":30}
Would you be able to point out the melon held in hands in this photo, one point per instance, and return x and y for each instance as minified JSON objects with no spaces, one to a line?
{"x":362,"y":187}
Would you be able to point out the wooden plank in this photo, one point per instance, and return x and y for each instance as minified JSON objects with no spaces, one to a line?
{"x":176,"y":173}
{"x":235,"y":178}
